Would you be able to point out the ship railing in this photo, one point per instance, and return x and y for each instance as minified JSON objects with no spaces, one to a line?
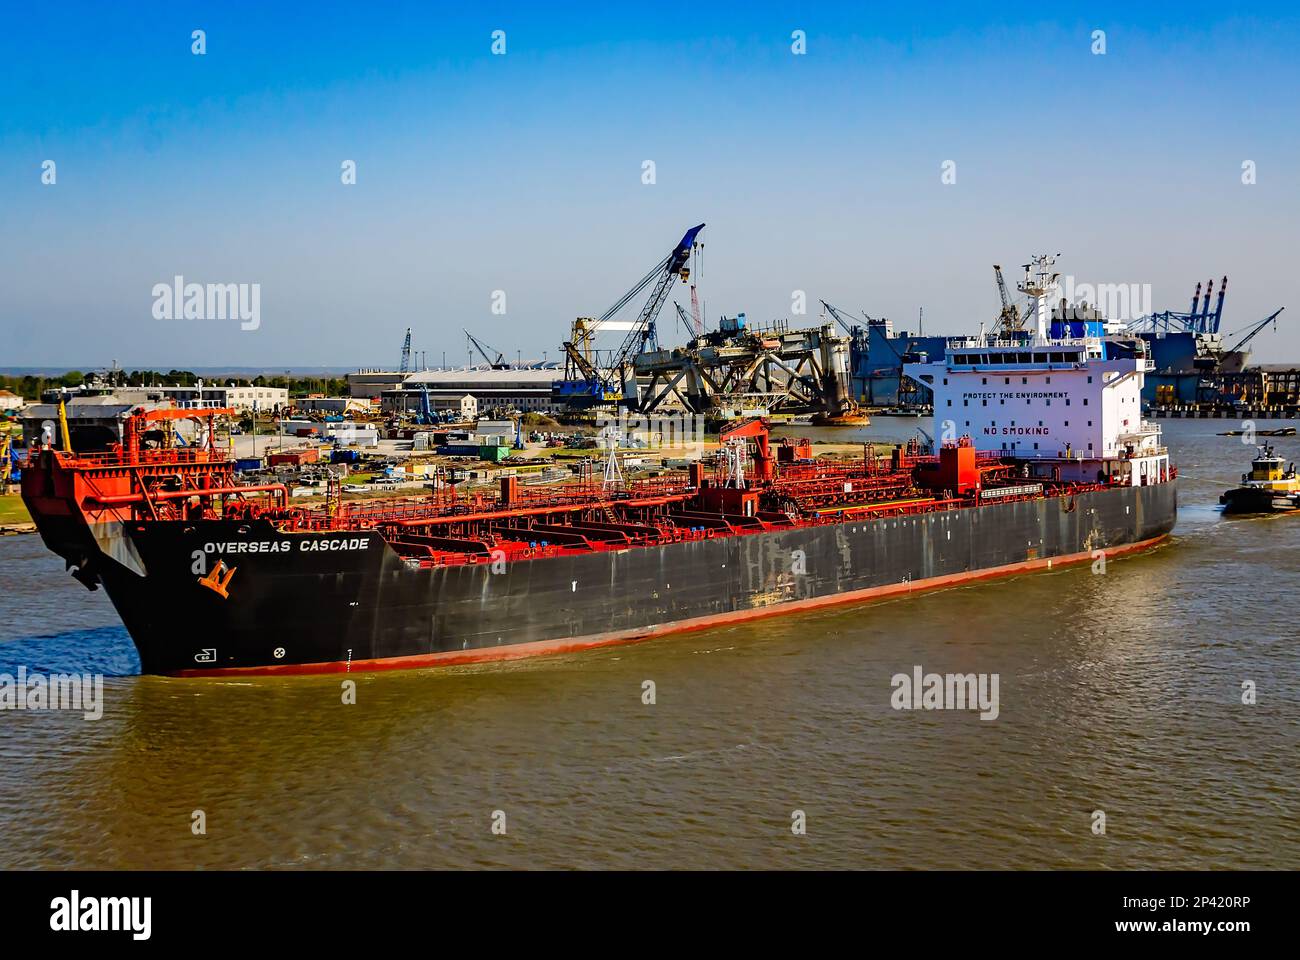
{"x":1028,"y":343}
{"x":858,"y":512}
{"x":114,"y":458}
{"x":374,"y":512}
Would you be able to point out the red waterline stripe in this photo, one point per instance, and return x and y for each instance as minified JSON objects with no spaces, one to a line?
{"x":538,"y":648}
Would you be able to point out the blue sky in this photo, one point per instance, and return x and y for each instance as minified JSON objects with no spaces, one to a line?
{"x":522,"y":172}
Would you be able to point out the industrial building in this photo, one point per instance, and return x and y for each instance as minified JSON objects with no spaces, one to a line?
{"x":519,"y":389}
{"x":266,"y":399}
{"x":238,"y":398}
{"x":371,"y":383}
{"x":456,"y":406}
{"x":1268,"y":387}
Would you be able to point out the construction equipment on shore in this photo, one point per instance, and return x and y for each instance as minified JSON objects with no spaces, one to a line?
{"x":9,"y":463}
{"x":406,"y":353}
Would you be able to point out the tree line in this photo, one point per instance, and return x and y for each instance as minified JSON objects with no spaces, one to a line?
{"x":32,"y":387}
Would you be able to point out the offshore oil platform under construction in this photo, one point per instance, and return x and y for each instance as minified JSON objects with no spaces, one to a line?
{"x":734,"y":371}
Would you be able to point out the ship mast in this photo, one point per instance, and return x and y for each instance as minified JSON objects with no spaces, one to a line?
{"x":1040,"y":286}
{"x":611,"y":437}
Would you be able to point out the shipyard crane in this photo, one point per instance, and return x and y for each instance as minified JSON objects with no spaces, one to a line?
{"x":686,"y":320}
{"x":1009,"y":318}
{"x":861,"y":337}
{"x":838,"y":314}
{"x":588,"y":382}
{"x":486,"y":353}
{"x":852,"y":328}
{"x":406,"y":353}
{"x":1252,"y":331}
{"x":695,"y":311}
{"x":642,"y":335}
{"x":1201,"y":319}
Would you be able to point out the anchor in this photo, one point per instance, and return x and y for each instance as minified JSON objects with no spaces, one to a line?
{"x":215,"y":582}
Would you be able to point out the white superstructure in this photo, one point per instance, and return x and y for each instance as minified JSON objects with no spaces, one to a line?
{"x":1071,"y":407}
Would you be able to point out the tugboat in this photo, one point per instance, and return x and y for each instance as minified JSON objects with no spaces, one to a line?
{"x":1270,"y":487}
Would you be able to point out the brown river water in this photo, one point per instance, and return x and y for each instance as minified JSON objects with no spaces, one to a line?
{"x":1119,"y":692}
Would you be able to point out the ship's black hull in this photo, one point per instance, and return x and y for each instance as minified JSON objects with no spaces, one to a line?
{"x":319,"y":602}
{"x":1258,"y":500}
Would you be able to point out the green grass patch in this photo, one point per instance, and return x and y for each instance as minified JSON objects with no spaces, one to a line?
{"x":12,"y":510}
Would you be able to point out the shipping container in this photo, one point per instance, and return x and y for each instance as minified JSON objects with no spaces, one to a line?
{"x":294,"y":457}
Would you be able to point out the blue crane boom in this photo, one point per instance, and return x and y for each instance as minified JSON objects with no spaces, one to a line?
{"x":1199,"y":319}
{"x":586,"y":380}
{"x":642,"y":334}
{"x":406,"y":353}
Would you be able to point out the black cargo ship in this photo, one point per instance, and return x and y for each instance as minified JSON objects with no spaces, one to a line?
{"x":1043,"y":460}
{"x":212,"y":577}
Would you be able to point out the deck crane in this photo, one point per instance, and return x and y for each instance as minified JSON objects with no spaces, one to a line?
{"x":1009,"y":318}
{"x":486,"y":353}
{"x":587,"y":382}
{"x":406,"y":353}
